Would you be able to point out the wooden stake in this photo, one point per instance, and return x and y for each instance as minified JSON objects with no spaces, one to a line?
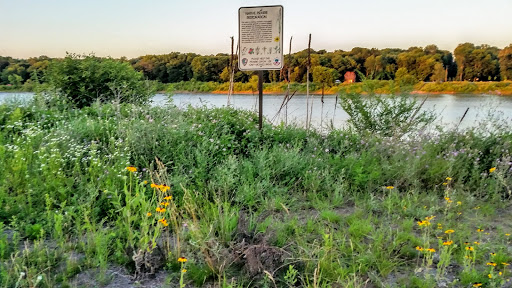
{"x":289,"y":75}
{"x":260,"y":102}
{"x":307,"y":82}
{"x":231,"y":71}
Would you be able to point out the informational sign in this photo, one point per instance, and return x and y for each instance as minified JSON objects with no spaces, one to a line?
{"x":260,"y":31}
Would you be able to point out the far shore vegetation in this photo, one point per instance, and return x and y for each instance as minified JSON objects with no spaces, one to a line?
{"x":470,"y":68}
{"x":381,"y":87}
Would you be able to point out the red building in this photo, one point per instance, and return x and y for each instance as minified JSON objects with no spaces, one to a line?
{"x":350,"y":77}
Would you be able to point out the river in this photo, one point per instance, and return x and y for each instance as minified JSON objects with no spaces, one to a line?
{"x":450,"y":108}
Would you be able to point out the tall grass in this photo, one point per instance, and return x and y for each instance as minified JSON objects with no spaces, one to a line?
{"x":277,"y":207}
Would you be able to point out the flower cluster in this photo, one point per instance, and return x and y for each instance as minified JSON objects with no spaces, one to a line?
{"x":162,"y":187}
{"x":426,"y":222}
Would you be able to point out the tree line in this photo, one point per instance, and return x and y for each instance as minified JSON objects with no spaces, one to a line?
{"x":468,"y":62}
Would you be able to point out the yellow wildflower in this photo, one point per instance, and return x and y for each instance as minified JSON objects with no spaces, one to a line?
{"x":479,"y":230}
{"x":470,"y":248}
{"x":477,"y":243}
{"x":165,"y":204}
{"x":163,"y":221}
{"x":423,"y":223}
{"x":507,"y":234}
{"x":432,"y":250}
{"x":489,"y":275}
{"x":390,"y":187}
{"x":449,"y":178}
{"x":182,"y":259}
{"x":492,"y":254}
{"x":477,"y":284}
{"x":164,"y":188}
{"x":449,"y":231}
{"x":149,"y":214}
{"x":448,"y":243}
{"x":153,"y":185}
{"x":430,"y":218}
{"x":504,"y":264}
{"x":168,"y":197}
{"x":477,"y":207}
{"x":444,"y":183}
{"x":183,"y":270}
{"x":459,"y":203}
{"x":131,"y":169}
{"x":161,"y":210}
{"x":419,"y":248}
{"x":492,"y":169}
{"x":491,"y":264}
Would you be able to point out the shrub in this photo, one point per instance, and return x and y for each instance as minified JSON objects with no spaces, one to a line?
{"x":83,"y":80}
{"x":387,"y":115}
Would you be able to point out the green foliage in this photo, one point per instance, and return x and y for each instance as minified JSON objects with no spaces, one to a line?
{"x":403,"y":78}
{"x":477,"y":63}
{"x":385,"y":115}
{"x":505,"y":60}
{"x":333,"y":209}
{"x":324,"y":76}
{"x":82,"y":80}
{"x":209,"y":68}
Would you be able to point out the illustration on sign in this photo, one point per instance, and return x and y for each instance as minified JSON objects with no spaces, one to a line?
{"x":260,"y":38}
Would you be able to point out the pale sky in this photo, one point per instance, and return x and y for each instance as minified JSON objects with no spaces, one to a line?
{"x":133,"y":28}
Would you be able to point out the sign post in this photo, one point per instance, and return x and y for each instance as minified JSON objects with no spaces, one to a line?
{"x":260,"y":31}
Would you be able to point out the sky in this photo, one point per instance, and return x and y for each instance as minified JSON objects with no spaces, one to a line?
{"x":132,"y":28}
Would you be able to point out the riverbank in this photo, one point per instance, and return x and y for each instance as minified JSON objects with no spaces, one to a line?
{"x":112,"y":195}
{"x":379,"y":86}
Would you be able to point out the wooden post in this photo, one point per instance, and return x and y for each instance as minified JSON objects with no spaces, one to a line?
{"x":308,"y":120}
{"x":231,"y":70}
{"x":260,"y":99}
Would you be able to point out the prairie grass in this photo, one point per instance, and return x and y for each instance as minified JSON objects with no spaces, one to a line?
{"x":204,"y":198}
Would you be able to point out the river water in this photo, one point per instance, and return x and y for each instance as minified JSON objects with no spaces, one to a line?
{"x":450,"y":108}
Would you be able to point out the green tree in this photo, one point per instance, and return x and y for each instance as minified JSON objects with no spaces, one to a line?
{"x":83,"y":80}
{"x":403,"y":78}
{"x":324,"y":76}
{"x":463,"y":58}
{"x":439,"y":73}
{"x":343,"y":63}
{"x":38,"y":67}
{"x":18,"y":69}
{"x":167,"y":68}
{"x":15,"y":80}
{"x":209,"y":68}
{"x":370,"y":65}
{"x":485,"y":63}
{"x":505,"y":60}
